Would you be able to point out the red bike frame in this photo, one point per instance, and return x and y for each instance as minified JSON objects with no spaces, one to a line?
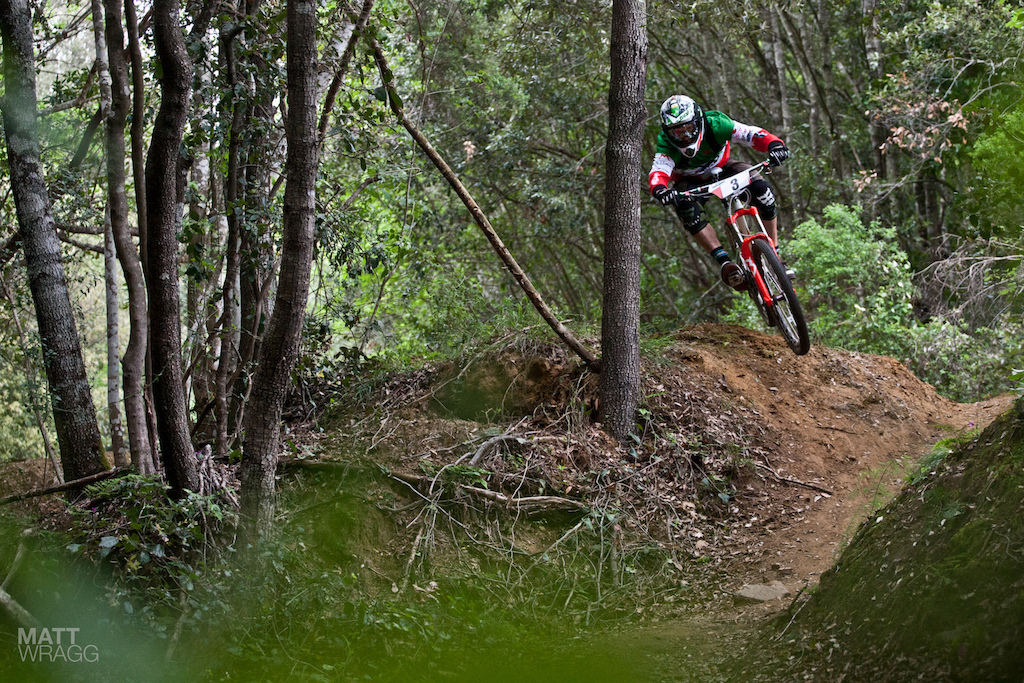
{"x":748,"y":259}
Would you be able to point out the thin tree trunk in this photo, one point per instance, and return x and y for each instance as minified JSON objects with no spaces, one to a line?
{"x":198,"y":299}
{"x":133,"y":364}
{"x":339,"y":74}
{"x":813,"y":99}
{"x":139,"y":174}
{"x":231,"y":315}
{"x":873,"y":56}
{"x":74,"y":415}
{"x":261,"y":429}
{"x":117,"y":443}
{"x":255,"y":243}
{"x":620,"y":319}
{"x":779,"y":61}
{"x":478,"y":215}
{"x":162,"y":164}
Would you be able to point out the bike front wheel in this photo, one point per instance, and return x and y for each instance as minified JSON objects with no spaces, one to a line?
{"x":789,"y":317}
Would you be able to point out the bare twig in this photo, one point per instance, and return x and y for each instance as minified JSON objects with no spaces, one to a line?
{"x":18,"y":556}
{"x":486,"y":446}
{"x":526,"y":504}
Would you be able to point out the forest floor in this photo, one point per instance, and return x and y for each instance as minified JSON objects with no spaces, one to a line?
{"x":751,"y":471}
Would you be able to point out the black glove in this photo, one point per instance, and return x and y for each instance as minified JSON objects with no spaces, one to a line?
{"x":777,"y":152}
{"x":664,"y":195}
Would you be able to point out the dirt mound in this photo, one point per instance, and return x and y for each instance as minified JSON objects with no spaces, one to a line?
{"x":846,"y":425}
{"x":930,"y":587}
{"x":747,"y":457}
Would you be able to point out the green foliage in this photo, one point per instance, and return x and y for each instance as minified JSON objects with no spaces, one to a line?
{"x":155,"y":548}
{"x":966,"y":366}
{"x":856,"y":286}
{"x":998,"y":175}
{"x":855,"y":283}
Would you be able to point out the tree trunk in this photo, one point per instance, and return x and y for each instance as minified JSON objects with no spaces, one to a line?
{"x":873,"y":56}
{"x":117,"y":443}
{"x":133,"y":364}
{"x":74,"y":415}
{"x":620,"y":319}
{"x":261,"y":428}
{"x":163,"y":218}
{"x":229,"y":298}
{"x":139,"y":175}
{"x":201,"y":309}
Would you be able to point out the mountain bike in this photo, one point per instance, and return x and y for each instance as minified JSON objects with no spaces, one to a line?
{"x":768,"y":284}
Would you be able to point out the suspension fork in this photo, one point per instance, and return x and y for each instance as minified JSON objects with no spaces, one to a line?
{"x":745,"y":255}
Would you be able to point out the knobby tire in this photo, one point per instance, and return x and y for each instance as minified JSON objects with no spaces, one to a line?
{"x":789,"y":317}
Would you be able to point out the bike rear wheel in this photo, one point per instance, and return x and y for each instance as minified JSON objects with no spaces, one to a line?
{"x":789,"y":317}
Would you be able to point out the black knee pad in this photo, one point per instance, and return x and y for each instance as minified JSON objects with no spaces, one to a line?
{"x":689,"y":214}
{"x":764,"y":199}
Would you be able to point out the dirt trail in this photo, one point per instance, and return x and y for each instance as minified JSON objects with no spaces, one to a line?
{"x":847,"y":423}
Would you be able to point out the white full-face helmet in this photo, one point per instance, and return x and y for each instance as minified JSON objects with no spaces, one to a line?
{"x":682,"y":119}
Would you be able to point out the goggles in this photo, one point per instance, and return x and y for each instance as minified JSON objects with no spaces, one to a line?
{"x":684,"y":132}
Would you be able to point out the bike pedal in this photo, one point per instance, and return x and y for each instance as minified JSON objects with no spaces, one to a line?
{"x":733,"y":276}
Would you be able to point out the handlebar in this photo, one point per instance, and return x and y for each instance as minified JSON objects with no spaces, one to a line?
{"x":727,"y":187}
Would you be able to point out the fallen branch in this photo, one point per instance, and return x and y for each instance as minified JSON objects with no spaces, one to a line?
{"x":412,"y":559}
{"x":76,"y":484}
{"x":796,"y":482}
{"x":526,"y":504}
{"x":493,"y":441}
{"x":19,"y":613}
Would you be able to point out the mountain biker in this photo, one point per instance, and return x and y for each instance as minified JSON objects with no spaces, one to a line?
{"x":691,"y":143}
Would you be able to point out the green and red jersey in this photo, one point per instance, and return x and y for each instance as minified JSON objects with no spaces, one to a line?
{"x":719,"y":131}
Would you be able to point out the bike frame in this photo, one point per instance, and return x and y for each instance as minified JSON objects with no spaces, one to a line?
{"x":728,"y":191}
{"x":748,"y":260}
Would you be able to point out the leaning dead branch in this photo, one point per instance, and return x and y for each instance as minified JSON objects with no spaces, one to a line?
{"x":588,"y":356}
